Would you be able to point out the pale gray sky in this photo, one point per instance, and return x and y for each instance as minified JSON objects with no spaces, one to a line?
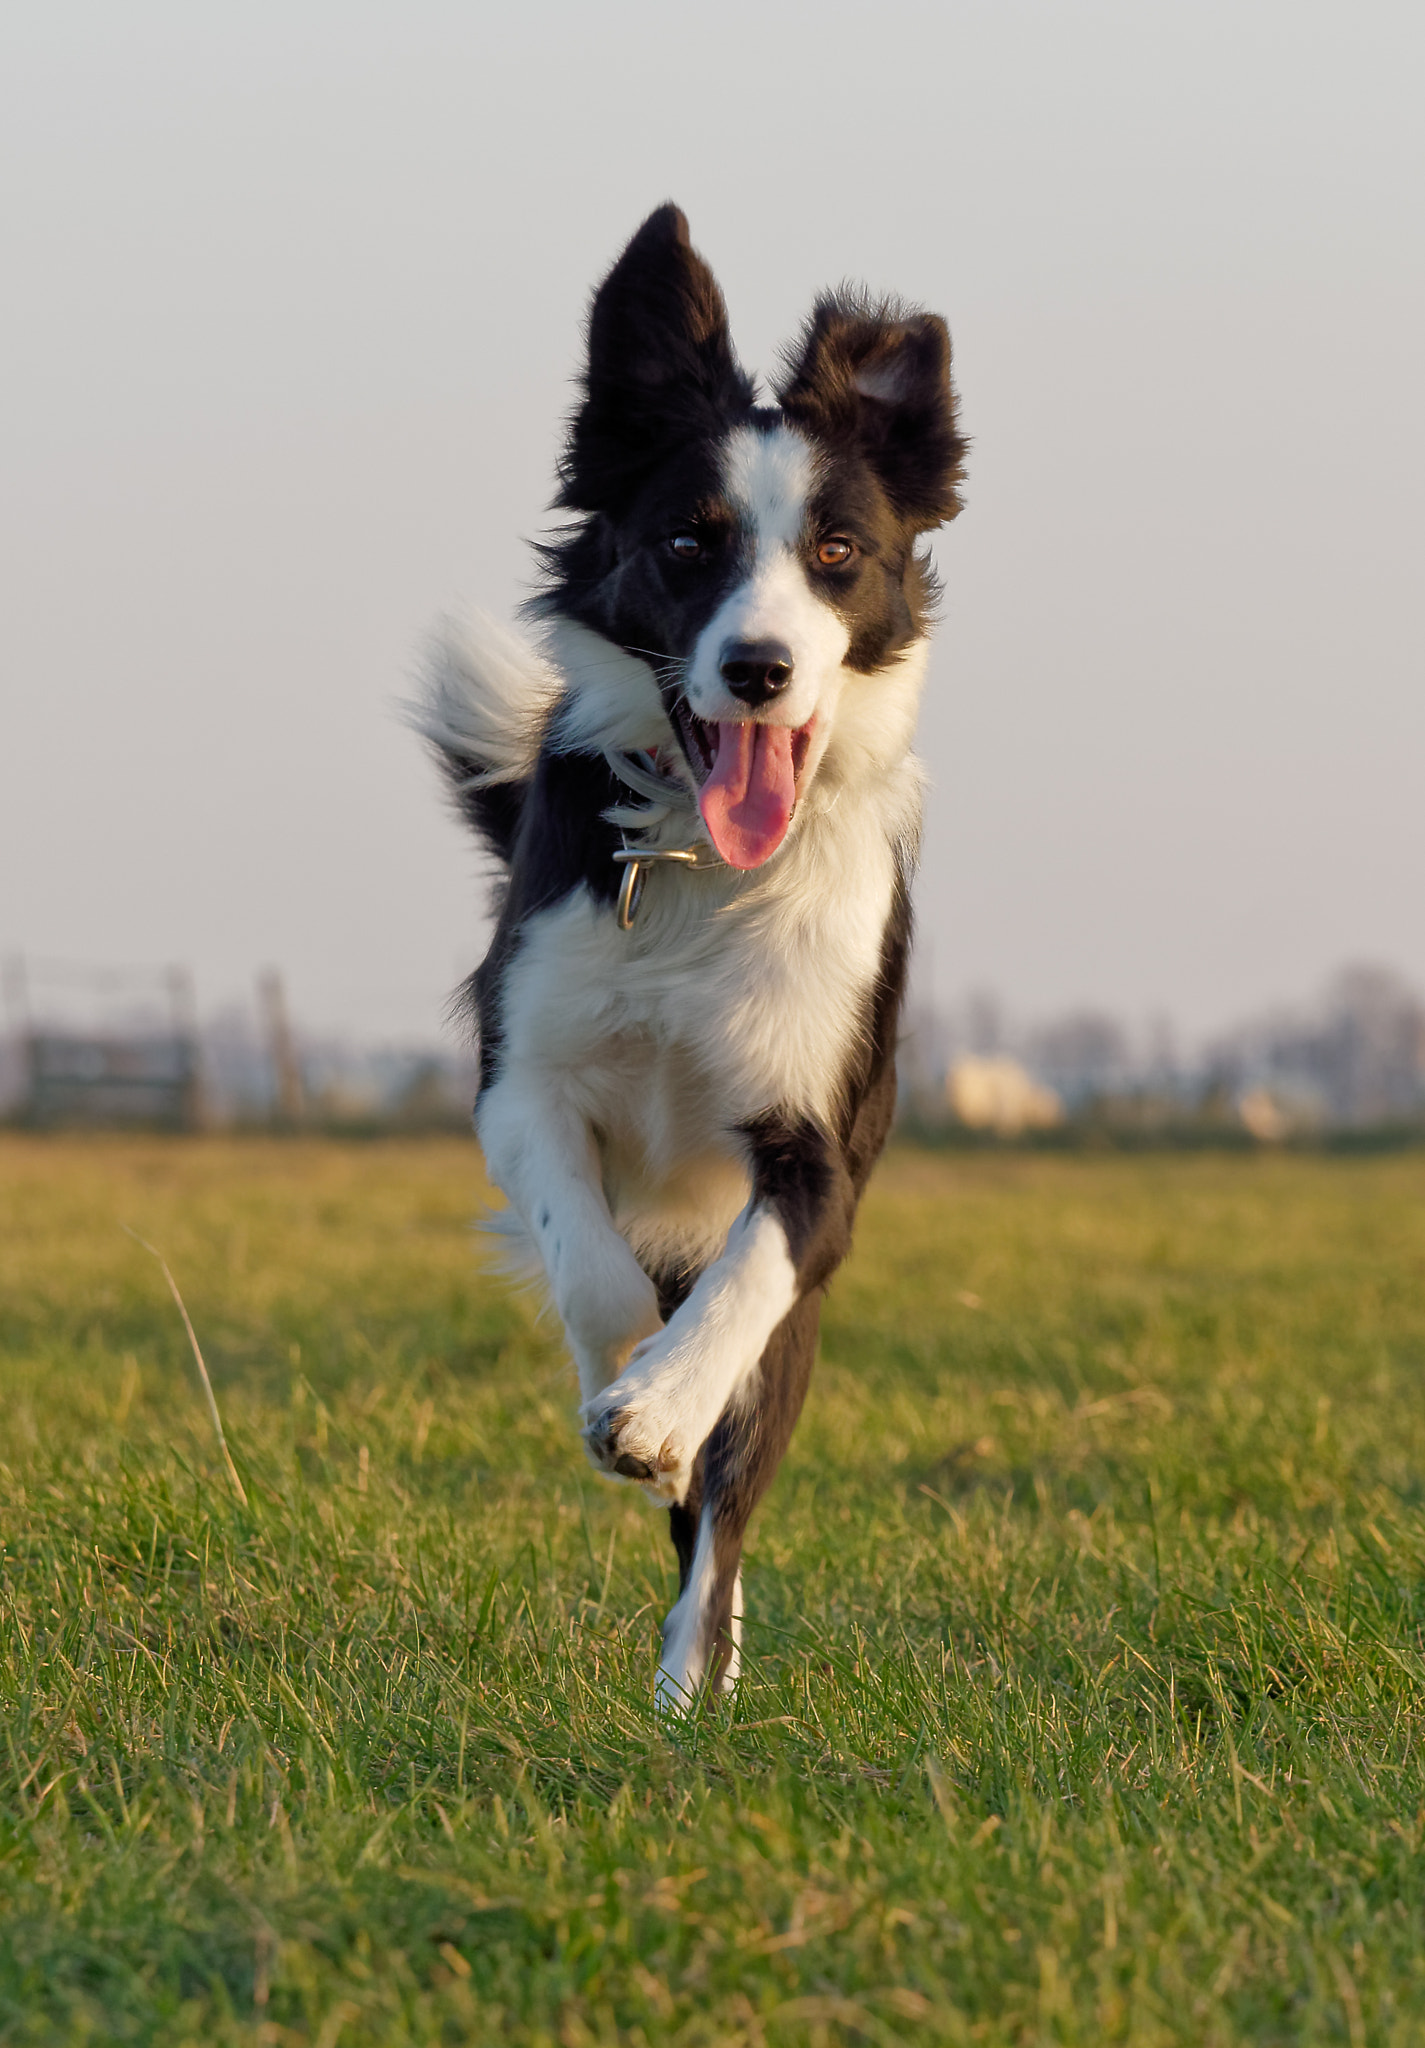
{"x":293,"y":296}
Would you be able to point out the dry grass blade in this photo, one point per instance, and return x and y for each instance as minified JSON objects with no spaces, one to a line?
{"x":238,"y":1488}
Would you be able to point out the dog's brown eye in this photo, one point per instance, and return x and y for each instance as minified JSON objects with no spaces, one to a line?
{"x":686,"y":546}
{"x":832,"y":553}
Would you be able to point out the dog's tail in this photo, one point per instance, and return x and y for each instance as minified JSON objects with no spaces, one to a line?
{"x":485,"y":699}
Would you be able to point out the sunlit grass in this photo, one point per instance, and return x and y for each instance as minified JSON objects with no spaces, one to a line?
{"x":1086,"y":1656}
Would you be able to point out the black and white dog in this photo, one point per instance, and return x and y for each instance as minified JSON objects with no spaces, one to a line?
{"x":701,"y":790}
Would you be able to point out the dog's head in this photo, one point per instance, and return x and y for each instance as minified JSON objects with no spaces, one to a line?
{"x":761,"y":560}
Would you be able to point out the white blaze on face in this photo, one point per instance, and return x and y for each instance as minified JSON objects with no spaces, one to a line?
{"x":768,"y":479}
{"x":766,"y":755}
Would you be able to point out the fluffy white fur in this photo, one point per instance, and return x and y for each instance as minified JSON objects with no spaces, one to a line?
{"x":612,"y":699}
{"x":486,"y":695}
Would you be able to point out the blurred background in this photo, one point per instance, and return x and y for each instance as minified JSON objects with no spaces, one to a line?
{"x":294,"y":297}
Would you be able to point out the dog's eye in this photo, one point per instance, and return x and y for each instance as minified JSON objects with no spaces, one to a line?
{"x":686,"y":547}
{"x":832,"y":553}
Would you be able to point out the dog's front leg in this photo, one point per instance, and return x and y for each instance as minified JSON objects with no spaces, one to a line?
{"x":652,"y":1422}
{"x":541,"y":1154}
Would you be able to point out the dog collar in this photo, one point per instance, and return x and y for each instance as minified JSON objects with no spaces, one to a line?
{"x":643,"y":775}
{"x":636,"y":861}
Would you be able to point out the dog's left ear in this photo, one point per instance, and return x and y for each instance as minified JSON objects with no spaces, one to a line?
{"x":882,"y":375}
{"x":661,"y":369}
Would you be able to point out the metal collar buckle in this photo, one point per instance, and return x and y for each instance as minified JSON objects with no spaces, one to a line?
{"x":666,"y":793}
{"x":635,"y":862}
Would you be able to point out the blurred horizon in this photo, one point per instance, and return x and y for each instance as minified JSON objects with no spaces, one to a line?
{"x":88,"y":1047}
{"x":296,"y":299}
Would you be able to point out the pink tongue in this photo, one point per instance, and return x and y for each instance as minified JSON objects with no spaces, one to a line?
{"x":747,"y":800}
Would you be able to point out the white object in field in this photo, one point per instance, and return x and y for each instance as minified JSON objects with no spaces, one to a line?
{"x":997,"y":1094}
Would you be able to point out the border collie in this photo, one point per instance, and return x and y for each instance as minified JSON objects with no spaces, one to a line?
{"x":701,"y":793}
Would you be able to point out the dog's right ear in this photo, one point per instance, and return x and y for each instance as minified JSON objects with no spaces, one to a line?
{"x":661,"y":370}
{"x":879,"y":373}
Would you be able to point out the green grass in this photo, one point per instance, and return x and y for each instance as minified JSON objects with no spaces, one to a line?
{"x":1085,"y":1677}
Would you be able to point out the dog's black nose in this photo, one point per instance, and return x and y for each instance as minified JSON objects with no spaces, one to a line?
{"x":756,"y":670}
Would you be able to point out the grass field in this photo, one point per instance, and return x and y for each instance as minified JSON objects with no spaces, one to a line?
{"x":1085,"y":1676}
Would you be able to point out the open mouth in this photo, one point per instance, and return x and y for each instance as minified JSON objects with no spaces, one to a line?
{"x":748,"y":775}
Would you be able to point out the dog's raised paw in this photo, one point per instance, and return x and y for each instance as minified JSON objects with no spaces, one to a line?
{"x":615,"y":1444}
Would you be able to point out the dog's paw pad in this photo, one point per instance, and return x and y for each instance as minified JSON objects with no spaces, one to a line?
{"x":613,"y":1442}
{"x":601,"y":1437}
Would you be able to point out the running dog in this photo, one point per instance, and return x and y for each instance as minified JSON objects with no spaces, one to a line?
{"x":700,"y":789}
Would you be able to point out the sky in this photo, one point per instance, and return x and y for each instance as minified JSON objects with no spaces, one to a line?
{"x":293,"y":302}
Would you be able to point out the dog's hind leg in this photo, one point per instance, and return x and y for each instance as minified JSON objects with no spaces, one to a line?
{"x":702,"y":1637}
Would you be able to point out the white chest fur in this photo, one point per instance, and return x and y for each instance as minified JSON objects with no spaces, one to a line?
{"x":732,"y":997}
